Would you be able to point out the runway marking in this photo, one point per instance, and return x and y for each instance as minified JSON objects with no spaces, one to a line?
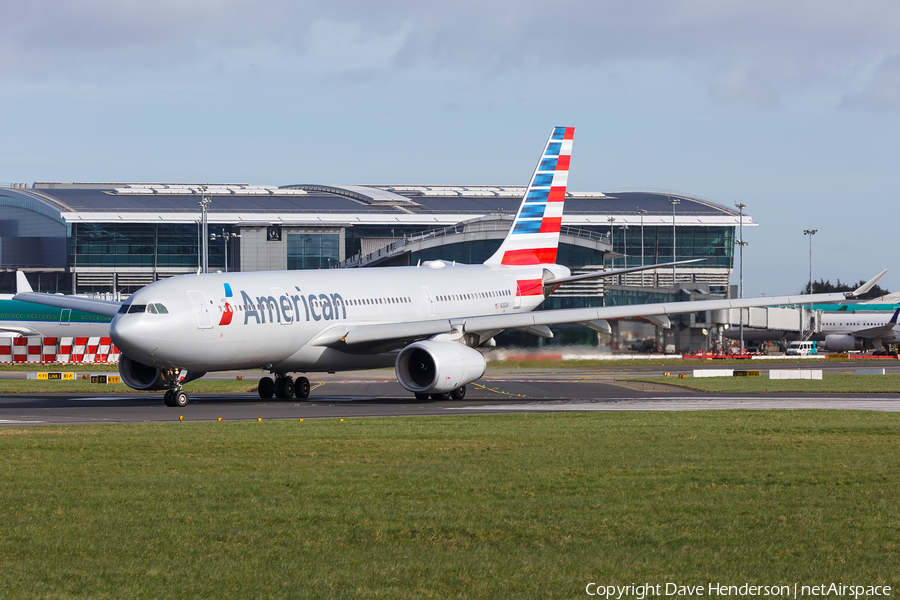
{"x":106,"y":398}
{"x":671,"y":403}
{"x":498,"y":391}
{"x":18,"y":421}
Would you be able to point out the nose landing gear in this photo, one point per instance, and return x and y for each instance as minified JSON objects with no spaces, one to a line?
{"x":177,"y":398}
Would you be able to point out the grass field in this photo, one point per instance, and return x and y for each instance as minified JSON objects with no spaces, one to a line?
{"x":68,"y":367}
{"x":554,"y":363}
{"x":511,"y":506}
{"x":829,"y":384}
{"x":82,"y":386}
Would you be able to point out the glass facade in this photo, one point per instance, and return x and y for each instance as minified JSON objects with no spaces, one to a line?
{"x":313,"y":250}
{"x":714,"y":243}
{"x":354,"y":235}
{"x":31,"y":236}
{"x":469,"y":253}
{"x":154,"y":246}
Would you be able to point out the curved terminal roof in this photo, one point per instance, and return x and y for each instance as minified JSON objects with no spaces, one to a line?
{"x":369,"y":203}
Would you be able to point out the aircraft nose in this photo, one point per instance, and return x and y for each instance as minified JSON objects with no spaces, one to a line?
{"x":125,"y":332}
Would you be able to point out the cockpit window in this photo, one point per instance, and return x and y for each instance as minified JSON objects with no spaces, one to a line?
{"x":124,"y":309}
{"x":162,"y":309}
{"x":151,"y":308}
{"x":137,"y":308}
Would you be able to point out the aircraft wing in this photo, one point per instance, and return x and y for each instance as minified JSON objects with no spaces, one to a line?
{"x":91,"y":305}
{"x":20,"y":330}
{"x":380,"y":334}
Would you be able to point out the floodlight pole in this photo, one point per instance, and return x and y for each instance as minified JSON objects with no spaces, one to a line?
{"x":204,"y":233}
{"x":642,"y":212}
{"x":612,"y":236}
{"x":741,"y":206}
{"x":810,"y":233}
{"x":674,"y":202}
{"x":612,"y":232}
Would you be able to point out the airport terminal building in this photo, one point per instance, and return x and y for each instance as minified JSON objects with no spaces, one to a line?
{"x":118,"y":237}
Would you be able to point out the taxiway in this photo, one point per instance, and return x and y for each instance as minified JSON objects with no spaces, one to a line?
{"x":377,"y":394}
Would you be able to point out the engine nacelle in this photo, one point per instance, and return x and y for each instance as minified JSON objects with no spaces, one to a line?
{"x":143,"y":377}
{"x":432,"y":367}
{"x":843,"y":342}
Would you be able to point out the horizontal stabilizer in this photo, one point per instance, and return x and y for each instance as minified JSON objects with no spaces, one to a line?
{"x":550,"y":282}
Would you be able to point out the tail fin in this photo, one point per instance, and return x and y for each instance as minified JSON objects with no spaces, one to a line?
{"x":534,"y":235}
{"x":22,"y":285}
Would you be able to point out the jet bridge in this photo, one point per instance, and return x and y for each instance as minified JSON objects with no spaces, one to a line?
{"x":769,"y":323}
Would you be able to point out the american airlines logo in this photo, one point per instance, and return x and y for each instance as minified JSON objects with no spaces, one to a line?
{"x":286,"y":308}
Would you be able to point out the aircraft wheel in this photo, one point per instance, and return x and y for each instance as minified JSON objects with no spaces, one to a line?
{"x":284,"y":388}
{"x":440,"y":396}
{"x":459,"y":393}
{"x":421,"y":397}
{"x":167,"y":398}
{"x":180,"y":399}
{"x":266,"y":388}
{"x":301,"y":387}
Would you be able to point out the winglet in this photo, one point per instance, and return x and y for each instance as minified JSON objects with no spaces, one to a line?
{"x":22,"y":285}
{"x":866,"y":286}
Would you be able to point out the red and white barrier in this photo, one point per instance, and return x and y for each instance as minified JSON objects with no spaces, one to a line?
{"x":37,"y":350}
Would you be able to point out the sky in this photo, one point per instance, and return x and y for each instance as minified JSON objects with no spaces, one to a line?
{"x":792,"y":108}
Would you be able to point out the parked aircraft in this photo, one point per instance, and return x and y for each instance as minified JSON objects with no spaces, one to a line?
{"x":28,"y":318}
{"x":842,"y":332}
{"x":838,"y":331}
{"x":426,"y":320}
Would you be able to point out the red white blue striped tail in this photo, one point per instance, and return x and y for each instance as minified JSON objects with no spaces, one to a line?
{"x":534,"y":235}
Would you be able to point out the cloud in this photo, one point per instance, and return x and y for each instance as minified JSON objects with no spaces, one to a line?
{"x":882,"y":92}
{"x":747,"y":51}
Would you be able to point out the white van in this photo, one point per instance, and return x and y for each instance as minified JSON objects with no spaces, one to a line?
{"x":801,"y":348}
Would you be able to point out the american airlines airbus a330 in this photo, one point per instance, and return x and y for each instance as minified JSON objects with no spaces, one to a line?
{"x":426,"y":321}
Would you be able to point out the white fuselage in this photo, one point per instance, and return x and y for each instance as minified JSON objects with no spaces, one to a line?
{"x":857,"y":322}
{"x":274,"y":315}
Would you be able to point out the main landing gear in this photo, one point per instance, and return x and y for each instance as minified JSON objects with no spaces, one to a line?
{"x":283,"y":387}
{"x":456,"y":394}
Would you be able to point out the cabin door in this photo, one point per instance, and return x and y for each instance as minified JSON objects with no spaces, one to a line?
{"x":203,"y":307}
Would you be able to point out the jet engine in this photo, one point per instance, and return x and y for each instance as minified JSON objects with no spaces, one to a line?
{"x":143,"y":377}
{"x":843,"y":342}
{"x":434,"y":367}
